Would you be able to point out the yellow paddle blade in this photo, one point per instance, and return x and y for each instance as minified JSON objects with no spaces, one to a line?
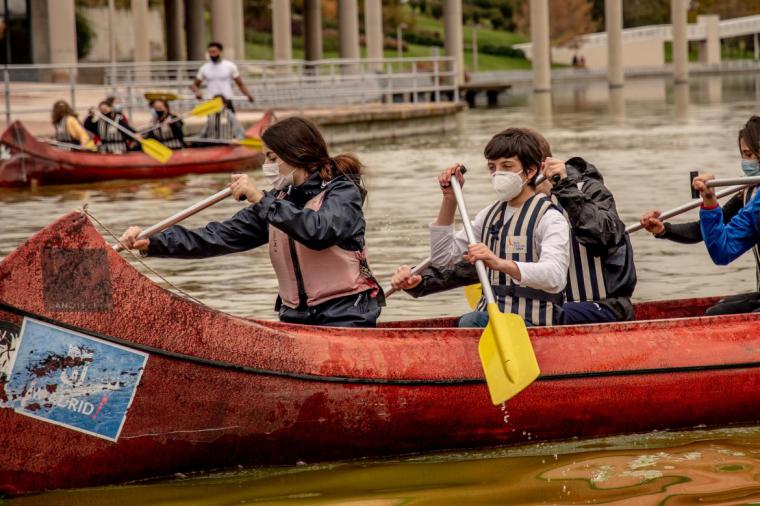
{"x":507,"y":355}
{"x":160,"y":95}
{"x":250,"y":142}
{"x":473,"y":293}
{"x":156,"y":150}
{"x":209,"y":107}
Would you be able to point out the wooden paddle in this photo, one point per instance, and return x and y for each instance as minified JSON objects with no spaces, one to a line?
{"x":248,"y":142}
{"x":151,"y":147}
{"x":506,"y":352}
{"x":203,"y":109}
{"x":182,"y":215}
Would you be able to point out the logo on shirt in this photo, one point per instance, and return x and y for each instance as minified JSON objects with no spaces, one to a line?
{"x":516,"y":244}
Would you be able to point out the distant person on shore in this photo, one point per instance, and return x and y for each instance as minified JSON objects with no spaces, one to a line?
{"x":68,"y":129}
{"x":166,"y":127}
{"x":110,"y":138}
{"x":219,"y":75}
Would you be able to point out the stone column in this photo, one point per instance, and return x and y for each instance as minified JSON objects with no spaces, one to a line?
{"x":281,"y":30}
{"x":238,"y":21}
{"x":195,"y":29}
{"x":539,"y":36}
{"x":709,"y":50}
{"x":140,"y":29}
{"x":373,"y":30}
{"x":348,"y":26}
{"x":680,"y":40}
{"x":62,"y":31}
{"x":613,"y":23}
{"x":62,"y":34}
{"x":452,"y":35}
{"x":312,"y":30}
{"x":223,"y":27}
{"x":173,"y":19}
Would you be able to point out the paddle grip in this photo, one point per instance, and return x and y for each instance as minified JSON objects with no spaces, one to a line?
{"x":692,"y":175}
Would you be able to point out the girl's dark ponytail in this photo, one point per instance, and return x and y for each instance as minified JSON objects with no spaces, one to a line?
{"x":347,"y":165}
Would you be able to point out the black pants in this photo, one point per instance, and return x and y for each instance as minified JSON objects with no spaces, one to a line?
{"x":359,"y":310}
{"x":736,"y":304}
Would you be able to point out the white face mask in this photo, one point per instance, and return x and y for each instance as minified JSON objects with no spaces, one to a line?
{"x":507,"y":185}
{"x":271,"y":171}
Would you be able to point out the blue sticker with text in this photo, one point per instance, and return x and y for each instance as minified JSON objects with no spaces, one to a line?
{"x":72,"y":379}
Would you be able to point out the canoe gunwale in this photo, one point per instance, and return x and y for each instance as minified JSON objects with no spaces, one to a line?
{"x":8,"y":308}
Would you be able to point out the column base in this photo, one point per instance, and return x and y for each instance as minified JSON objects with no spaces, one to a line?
{"x":542,"y":90}
{"x":681,"y":81}
{"x":614,"y":86}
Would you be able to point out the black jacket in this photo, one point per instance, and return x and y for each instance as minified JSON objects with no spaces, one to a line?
{"x":340,"y":221}
{"x":691,"y":232}
{"x":596,"y":224}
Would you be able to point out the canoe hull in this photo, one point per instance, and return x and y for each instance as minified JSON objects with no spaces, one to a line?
{"x":35,"y":163}
{"x":246,"y":392}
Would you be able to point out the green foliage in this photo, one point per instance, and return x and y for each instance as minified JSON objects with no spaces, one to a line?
{"x":507,"y":51}
{"x":85,"y":35}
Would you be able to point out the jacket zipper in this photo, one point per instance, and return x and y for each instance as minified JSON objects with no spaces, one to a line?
{"x":302,"y":298}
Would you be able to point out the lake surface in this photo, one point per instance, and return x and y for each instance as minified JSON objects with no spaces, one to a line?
{"x":645,"y":143}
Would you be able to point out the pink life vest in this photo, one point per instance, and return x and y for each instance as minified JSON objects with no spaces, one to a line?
{"x":327,"y":274}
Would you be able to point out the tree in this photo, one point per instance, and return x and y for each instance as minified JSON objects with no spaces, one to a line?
{"x":568,"y":20}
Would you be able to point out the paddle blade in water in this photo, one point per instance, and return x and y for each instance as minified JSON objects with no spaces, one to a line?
{"x":473,"y":293}
{"x":156,"y":150}
{"x":209,"y":107}
{"x":506,"y":353}
{"x":250,"y":143}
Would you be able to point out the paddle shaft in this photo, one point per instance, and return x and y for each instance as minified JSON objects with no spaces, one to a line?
{"x":64,"y":144}
{"x":693,"y":204}
{"x":479,"y":265}
{"x":154,"y":127}
{"x":215,"y":141}
{"x":115,"y":124}
{"x":182,"y":215}
{"x":416,"y":270}
{"x":744,"y":181}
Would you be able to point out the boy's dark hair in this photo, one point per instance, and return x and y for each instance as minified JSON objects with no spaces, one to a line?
{"x":529,"y":146}
{"x":215,"y":44}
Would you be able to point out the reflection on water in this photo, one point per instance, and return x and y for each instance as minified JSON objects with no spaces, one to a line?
{"x":644,"y":138}
{"x":687,"y":468}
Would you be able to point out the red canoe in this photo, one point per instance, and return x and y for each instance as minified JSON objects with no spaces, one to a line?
{"x":34,"y":162}
{"x":219,"y":391}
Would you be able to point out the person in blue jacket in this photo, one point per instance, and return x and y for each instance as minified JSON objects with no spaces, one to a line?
{"x":726,"y":242}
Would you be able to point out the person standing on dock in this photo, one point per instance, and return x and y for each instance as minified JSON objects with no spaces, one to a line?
{"x":312,"y":221}
{"x":219,"y":75}
{"x":68,"y":129}
{"x":691,"y":233}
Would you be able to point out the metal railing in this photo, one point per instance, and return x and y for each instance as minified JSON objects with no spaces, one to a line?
{"x":296,"y":84}
{"x":727,"y":28}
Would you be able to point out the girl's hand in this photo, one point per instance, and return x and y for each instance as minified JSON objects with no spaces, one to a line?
{"x":708,"y":194}
{"x":244,"y":188}
{"x":404,"y":280}
{"x":651,"y":222}
{"x":130,"y":241}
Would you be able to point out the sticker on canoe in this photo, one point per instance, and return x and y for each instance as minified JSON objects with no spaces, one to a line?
{"x":72,"y":379}
{"x":8,"y":339}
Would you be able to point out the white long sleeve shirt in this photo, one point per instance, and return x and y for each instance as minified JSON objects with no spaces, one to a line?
{"x":552,"y":236}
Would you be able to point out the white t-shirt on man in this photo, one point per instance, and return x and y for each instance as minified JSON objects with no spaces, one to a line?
{"x":219,"y":77}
